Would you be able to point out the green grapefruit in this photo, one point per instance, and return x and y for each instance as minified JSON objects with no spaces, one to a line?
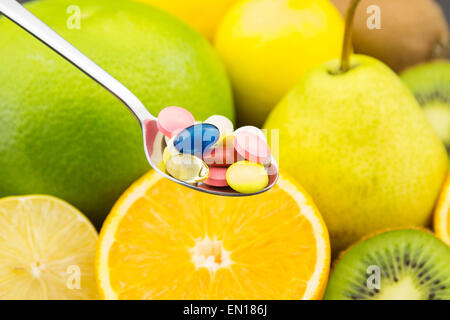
{"x":61,"y":133}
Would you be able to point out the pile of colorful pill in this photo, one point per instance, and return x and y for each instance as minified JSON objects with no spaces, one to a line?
{"x":211,"y":152}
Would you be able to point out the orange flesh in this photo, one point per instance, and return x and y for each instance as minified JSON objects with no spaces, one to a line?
{"x":208,"y":247}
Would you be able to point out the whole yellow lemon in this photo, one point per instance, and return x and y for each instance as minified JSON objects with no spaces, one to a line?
{"x":268,"y":44}
{"x":204,"y":16}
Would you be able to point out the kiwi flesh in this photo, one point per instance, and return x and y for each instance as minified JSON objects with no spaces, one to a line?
{"x":412,"y":31}
{"x":430,"y":84}
{"x":411,"y":264}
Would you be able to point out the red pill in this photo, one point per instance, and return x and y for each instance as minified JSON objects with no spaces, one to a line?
{"x":220,"y":156}
{"x":173,"y":120}
{"x":217,"y":177}
{"x":252,"y":147}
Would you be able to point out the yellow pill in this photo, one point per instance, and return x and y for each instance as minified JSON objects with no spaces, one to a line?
{"x":187,"y":168}
{"x":247,"y":177}
{"x":226,"y":140}
{"x":161,"y":166}
{"x":166,"y":155}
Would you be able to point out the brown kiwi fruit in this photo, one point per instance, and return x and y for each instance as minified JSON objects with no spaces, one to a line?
{"x":412,"y":31}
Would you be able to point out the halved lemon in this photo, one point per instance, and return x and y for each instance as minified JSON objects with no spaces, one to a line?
{"x":165,"y":241}
{"x":47,"y":250}
{"x":441,"y":214}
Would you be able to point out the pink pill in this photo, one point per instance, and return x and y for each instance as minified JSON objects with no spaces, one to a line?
{"x":172,"y":120}
{"x":272,"y":172}
{"x":217,"y":177}
{"x":252,"y":147}
{"x":220,"y":156}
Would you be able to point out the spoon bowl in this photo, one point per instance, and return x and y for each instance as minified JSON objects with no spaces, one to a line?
{"x":154,"y":145}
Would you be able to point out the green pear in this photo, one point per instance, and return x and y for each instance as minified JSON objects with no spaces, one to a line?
{"x":362,"y":147}
{"x":354,"y":136}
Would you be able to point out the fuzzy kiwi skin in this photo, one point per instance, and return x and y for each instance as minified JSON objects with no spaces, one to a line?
{"x":430,"y":84}
{"x":412,"y":32}
{"x":402,"y":251}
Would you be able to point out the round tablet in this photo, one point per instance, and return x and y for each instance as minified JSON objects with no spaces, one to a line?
{"x":220,"y":156}
{"x":155,"y":150}
{"x":167,"y":139}
{"x":167,"y":154}
{"x":161,"y":166}
{"x":217,"y":177}
{"x":169,"y":150}
{"x":272,"y":172}
{"x":222,"y":123}
{"x":226,"y":140}
{"x":172,"y":120}
{"x":187,"y":168}
{"x":247,"y":177}
{"x":253,"y":130}
{"x":252,"y":147}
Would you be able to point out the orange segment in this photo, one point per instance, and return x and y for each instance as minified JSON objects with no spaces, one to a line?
{"x":165,"y":241}
{"x":441,"y":215}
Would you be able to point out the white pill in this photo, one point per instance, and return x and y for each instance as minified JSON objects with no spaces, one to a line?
{"x":222,"y":123}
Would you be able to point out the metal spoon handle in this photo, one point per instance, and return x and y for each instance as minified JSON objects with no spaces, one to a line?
{"x":25,"y":19}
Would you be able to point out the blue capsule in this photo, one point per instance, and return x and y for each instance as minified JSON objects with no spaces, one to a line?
{"x":196,"y":139}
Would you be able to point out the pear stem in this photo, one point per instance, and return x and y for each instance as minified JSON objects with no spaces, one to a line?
{"x":347,"y":47}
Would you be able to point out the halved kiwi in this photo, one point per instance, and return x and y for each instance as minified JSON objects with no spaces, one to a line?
{"x":430,"y":84}
{"x":409,"y":264}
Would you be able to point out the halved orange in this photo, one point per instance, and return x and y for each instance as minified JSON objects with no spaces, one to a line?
{"x":165,"y":241}
{"x":441,"y":214}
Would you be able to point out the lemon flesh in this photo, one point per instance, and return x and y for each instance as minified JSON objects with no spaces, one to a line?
{"x":47,"y":250}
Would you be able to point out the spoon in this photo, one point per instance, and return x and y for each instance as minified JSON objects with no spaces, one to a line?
{"x":154,"y":142}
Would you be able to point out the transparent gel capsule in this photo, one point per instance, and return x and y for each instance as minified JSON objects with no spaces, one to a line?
{"x":187,"y":168}
{"x":196,"y":139}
